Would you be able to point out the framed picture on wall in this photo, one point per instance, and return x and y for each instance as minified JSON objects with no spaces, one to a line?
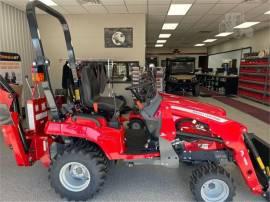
{"x":118,"y":37}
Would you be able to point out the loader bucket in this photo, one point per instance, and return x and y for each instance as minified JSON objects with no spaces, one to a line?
{"x":262,"y":147}
{"x":263,"y":150}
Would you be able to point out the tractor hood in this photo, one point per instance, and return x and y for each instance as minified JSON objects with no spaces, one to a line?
{"x":193,"y":104}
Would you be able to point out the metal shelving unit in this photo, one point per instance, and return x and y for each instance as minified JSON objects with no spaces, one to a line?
{"x":254,"y":79}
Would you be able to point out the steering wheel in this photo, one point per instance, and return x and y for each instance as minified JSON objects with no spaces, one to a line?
{"x":143,"y":92}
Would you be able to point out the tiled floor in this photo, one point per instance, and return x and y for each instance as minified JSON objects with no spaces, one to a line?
{"x":140,"y":183}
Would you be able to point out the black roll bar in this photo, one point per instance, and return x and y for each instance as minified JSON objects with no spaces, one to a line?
{"x":33,"y":25}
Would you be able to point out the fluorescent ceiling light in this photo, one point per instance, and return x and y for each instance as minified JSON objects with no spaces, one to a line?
{"x":224,"y":34}
{"x":179,"y":9}
{"x":164,"y":35}
{"x":169,"y":26}
{"x":159,"y":45}
{"x":48,"y":2}
{"x":199,"y":44}
{"x":161,"y":41}
{"x":246,"y":25}
{"x":267,"y":13}
{"x":209,"y":40}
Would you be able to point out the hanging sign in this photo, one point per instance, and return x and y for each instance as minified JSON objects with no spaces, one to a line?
{"x":11,"y":67}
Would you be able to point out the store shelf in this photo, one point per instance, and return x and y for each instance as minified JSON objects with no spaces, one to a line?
{"x":255,"y":66}
{"x":254,"y":99}
{"x":253,"y":74}
{"x":254,"y":82}
{"x":253,"y":90}
{"x":255,"y":58}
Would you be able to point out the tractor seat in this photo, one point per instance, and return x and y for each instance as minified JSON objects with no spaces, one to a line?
{"x":109,"y":103}
{"x":93,"y":82}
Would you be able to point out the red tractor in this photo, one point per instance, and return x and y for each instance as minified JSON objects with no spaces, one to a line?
{"x":78,"y":148}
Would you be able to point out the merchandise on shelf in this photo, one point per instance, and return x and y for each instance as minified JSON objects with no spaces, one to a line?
{"x":254,"y":79}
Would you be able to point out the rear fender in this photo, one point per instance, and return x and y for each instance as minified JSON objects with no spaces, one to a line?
{"x":110,"y":140}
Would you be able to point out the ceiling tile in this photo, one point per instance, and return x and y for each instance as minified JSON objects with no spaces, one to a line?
{"x":112,"y":2}
{"x":154,"y":26}
{"x":199,"y":9}
{"x":156,"y":2}
{"x":259,"y":10}
{"x":262,"y":18}
{"x":96,"y":9}
{"x":191,"y":18}
{"x":230,"y":1}
{"x":60,"y":9}
{"x":183,"y":1}
{"x":155,"y":18}
{"x":208,"y":19}
{"x":244,"y":7}
{"x":154,"y":30}
{"x":183,"y":27}
{"x":137,"y":8}
{"x":75,"y":9}
{"x":200,"y":27}
{"x":207,"y":1}
{"x":116,"y":8}
{"x":172,"y":18}
{"x":221,"y":8}
{"x":158,"y":9}
{"x":66,"y":2}
{"x":135,"y":2}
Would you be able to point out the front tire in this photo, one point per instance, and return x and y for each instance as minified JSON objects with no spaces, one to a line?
{"x":212,"y":183}
{"x":77,"y":174}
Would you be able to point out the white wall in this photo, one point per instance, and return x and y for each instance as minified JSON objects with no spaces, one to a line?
{"x":215,"y":61}
{"x":260,"y":40}
{"x":87,"y":32}
{"x":15,"y":36}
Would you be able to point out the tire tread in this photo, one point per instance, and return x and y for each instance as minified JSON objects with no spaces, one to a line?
{"x":205,"y":170}
{"x":82,"y":149}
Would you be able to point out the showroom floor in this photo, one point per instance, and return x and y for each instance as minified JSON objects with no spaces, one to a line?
{"x":141,"y":183}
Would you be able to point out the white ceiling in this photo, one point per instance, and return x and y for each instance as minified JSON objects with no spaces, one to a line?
{"x":202,"y":21}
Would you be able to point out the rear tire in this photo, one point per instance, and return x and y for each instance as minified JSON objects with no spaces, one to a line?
{"x":78,"y":173}
{"x":212,"y":183}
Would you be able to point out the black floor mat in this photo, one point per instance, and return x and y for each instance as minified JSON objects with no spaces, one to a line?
{"x":136,"y":140}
